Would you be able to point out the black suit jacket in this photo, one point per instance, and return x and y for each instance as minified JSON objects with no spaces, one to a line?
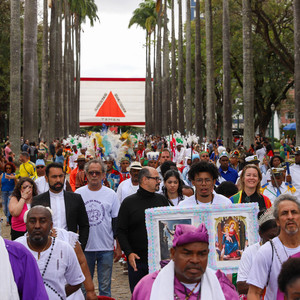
{"x":76,"y":215}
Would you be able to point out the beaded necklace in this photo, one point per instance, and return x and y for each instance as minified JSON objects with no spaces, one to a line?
{"x":44,"y":271}
{"x":188,"y":295}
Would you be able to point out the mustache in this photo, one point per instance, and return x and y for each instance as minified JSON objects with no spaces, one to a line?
{"x":289,"y":222}
{"x":194,"y":266}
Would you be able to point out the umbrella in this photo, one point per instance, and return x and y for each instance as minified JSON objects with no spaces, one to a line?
{"x":291,"y":126}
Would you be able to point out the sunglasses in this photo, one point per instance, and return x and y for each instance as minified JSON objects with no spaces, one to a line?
{"x":40,"y":167}
{"x":91,"y":173}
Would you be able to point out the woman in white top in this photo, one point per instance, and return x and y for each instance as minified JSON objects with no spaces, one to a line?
{"x":172,"y":188}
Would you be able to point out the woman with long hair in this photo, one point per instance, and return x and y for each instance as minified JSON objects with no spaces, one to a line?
{"x":7,"y":187}
{"x":250,"y":188}
{"x":20,"y":202}
{"x":172,"y":188}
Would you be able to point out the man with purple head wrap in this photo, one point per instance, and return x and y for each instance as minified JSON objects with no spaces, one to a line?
{"x":186,"y":276}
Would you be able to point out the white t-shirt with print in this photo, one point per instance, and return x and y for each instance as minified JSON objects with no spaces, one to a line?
{"x":260,"y":270}
{"x":101,"y":206}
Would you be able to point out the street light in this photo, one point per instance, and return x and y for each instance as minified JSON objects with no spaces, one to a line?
{"x":273,"y":111}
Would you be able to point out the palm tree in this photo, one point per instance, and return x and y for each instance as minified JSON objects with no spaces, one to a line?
{"x":210,"y":82}
{"x":180,"y":70}
{"x":158,"y":90}
{"x":297,"y":66}
{"x":227,"y":104}
{"x":81,"y":10}
{"x":15,"y":77}
{"x":173,"y":71}
{"x":248,"y":77}
{"x":198,"y":79}
{"x":30,"y":72}
{"x":166,"y":76}
{"x":145,"y":17}
{"x":44,"y":132}
{"x":188,"y":71}
{"x":52,"y":74}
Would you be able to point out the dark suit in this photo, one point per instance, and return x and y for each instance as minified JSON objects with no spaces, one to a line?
{"x":76,"y":215}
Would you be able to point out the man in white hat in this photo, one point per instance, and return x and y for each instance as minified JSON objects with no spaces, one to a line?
{"x":277,"y":186}
{"x":131,"y":185}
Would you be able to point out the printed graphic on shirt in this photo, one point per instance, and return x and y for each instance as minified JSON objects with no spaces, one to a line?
{"x":95,"y":211}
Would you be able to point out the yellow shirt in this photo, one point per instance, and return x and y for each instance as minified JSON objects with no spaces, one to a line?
{"x":27,"y":170}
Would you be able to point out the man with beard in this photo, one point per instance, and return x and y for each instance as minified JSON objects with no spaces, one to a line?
{"x":130,"y":186}
{"x":131,"y":230}
{"x":271,"y":256}
{"x":187,"y":276}
{"x":203,"y":176}
{"x":68,"y":208}
{"x":56,"y":259}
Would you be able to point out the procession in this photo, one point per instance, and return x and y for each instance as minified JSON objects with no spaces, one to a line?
{"x":150,"y":149}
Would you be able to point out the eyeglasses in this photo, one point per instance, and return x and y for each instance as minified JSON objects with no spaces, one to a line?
{"x":8,"y":168}
{"x":155,"y":178}
{"x":91,"y":173}
{"x":40,"y":167}
{"x":201,"y":180}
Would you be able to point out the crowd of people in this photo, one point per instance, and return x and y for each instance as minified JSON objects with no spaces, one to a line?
{"x":79,"y":205}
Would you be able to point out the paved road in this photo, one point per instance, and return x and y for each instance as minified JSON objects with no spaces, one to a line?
{"x":120,"y":287}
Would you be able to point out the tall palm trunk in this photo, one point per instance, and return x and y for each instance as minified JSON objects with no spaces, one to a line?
{"x":148,"y":106}
{"x":78,"y":58}
{"x":248,"y":77}
{"x":227,"y":102}
{"x":158,"y":123}
{"x":154,"y":89}
{"x":210,"y":82}
{"x":198,"y":79}
{"x":297,"y":66}
{"x":44,"y":134}
{"x":53,"y":75}
{"x":30,"y":71}
{"x":66,"y":67}
{"x":166,"y":76}
{"x":15,"y":77}
{"x":180,"y":70}
{"x":188,"y":70}
{"x":173,"y":70}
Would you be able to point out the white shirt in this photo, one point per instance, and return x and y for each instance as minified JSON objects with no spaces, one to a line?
{"x":63,"y":267}
{"x":271,"y":191}
{"x":43,"y":186}
{"x":295,"y":174}
{"x":263,"y":263}
{"x":246,"y":261}
{"x":57,"y":203}
{"x":72,"y":159}
{"x":260,"y":154}
{"x":101,"y":206}
{"x":191,"y":201}
{"x":125,"y":189}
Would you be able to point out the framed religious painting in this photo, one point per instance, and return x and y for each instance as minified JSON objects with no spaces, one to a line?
{"x":230,"y":232}
{"x":161,"y":223}
{"x":230,"y":228}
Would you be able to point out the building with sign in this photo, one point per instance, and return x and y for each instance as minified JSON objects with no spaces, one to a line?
{"x":112,"y":101}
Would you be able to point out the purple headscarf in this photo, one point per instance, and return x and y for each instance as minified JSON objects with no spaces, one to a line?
{"x":185,"y":234}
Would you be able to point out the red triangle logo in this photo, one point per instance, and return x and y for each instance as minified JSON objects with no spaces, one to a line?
{"x":110,"y":108}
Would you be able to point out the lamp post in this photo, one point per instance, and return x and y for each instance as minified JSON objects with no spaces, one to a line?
{"x":273,"y":111}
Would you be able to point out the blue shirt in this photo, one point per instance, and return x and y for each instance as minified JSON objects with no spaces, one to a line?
{"x":230,"y":175}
